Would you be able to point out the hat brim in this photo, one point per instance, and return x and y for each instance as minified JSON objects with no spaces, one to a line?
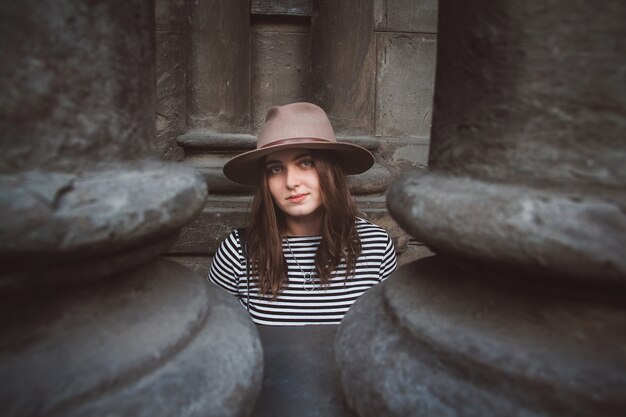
{"x":354,"y":159}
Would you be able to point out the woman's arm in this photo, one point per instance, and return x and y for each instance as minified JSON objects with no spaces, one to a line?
{"x":389,"y":262}
{"x":226,"y":266}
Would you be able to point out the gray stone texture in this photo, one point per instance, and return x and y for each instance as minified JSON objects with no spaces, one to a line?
{"x":104,"y":209}
{"x":92,"y":323}
{"x":441,"y":340}
{"x":344,"y":64}
{"x":410,"y":156}
{"x":83,"y":182}
{"x":404,"y":87}
{"x":171,"y":77}
{"x":71,"y":94}
{"x":555,"y":231}
{"x":521,"y":311}
{"x":282,"y":7}
{"x":542,"y":94}
{"x":539,"y":130}
{"x":141,"y":343}
{"x":406,"y":15}
{"x":219,"y":66}
{"x":280,"y":72}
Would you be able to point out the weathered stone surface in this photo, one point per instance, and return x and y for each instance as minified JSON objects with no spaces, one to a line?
{"x":207,"y":141}
{"x":558,"y":231}
{"x":214,"y":223}
{"x":142,"y":343}
{"x":169,"y":16}
{"x":89,"y":326}
{"x":171,"y":82}
{"x":440,"y":340}
{"x":414,"y":155}
{"x":110,"y":206}
{"x":343,"y":61}
{"x":406,"y":15}
{"x":76,"y":184}
{"x":374,"y":181}
{"x":521,"y":312}
{"x":414,"y":250}
{"x":404,"y":84}
{"x":537,"y":88}
{"x":545,"y":185}
{"x":219,"y":93}
{"x":281,"y":72}
{"x":282,"y":7}
{"x":199,"y":264}
{"x":77,"y":84}
{"x":93,"y":214}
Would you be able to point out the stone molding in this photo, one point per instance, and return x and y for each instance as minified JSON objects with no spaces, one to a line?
{"x":551,"y":230}
{"x":439,"y":340}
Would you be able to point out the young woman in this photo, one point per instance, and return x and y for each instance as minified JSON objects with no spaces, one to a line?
{"x":305,"y":256}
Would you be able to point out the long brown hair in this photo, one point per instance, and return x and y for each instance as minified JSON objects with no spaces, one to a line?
{"x":340,"y":240}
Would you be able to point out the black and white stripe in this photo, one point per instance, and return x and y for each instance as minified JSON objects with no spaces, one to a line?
{"x":295,"y":305}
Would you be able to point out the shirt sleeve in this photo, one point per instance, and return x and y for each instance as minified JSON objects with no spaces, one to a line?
{"x":226,"y":265}
{"x":389,"y":262}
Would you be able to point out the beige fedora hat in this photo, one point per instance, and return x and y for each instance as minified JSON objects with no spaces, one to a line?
{"x":296,"y":125}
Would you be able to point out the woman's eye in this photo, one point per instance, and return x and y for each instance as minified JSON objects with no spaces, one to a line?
{"x":274,"y":170}
{"x":307,"y":163}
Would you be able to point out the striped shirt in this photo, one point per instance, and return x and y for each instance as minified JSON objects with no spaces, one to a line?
{"x":304,"y":301}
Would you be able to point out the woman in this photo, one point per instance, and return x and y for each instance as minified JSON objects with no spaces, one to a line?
{"x":305,"y":257}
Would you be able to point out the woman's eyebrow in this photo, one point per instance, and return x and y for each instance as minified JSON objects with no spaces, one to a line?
{"x":302,"y":155}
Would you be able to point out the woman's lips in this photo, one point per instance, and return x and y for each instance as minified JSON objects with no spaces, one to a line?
{"x":297,"y":198}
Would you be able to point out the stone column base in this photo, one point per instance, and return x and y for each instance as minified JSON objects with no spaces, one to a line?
{"x":441,"y":340}
{"x":155,"y":341}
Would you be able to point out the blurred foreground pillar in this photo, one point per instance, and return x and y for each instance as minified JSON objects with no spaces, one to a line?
{"x":522,"y":312}
{"x":92,"y":322}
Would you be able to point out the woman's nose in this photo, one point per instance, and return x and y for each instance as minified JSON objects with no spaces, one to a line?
{"x":292,"y":179}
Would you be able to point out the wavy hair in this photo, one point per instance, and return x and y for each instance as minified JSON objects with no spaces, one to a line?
{"x":340,"y":240}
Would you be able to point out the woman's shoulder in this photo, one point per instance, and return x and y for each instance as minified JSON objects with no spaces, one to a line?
{"x":366,"y":227}
{"x":233,"y":239}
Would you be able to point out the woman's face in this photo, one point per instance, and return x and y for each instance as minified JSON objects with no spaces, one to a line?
{"x":293,"y":182}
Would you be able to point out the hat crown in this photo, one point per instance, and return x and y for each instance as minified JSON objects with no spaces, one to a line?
{"x":293,"y":121}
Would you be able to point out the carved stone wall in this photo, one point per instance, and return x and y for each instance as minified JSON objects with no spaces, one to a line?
{"x":92,"y":322}
{"x":521,"y":311}
{"x":221,"y":65}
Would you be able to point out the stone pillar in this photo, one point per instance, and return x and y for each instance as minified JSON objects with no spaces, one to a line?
{"x":521,"y":312}
{"x":93,"y":323}
{"x":343,"y":61}
{"x":219,"y":67}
